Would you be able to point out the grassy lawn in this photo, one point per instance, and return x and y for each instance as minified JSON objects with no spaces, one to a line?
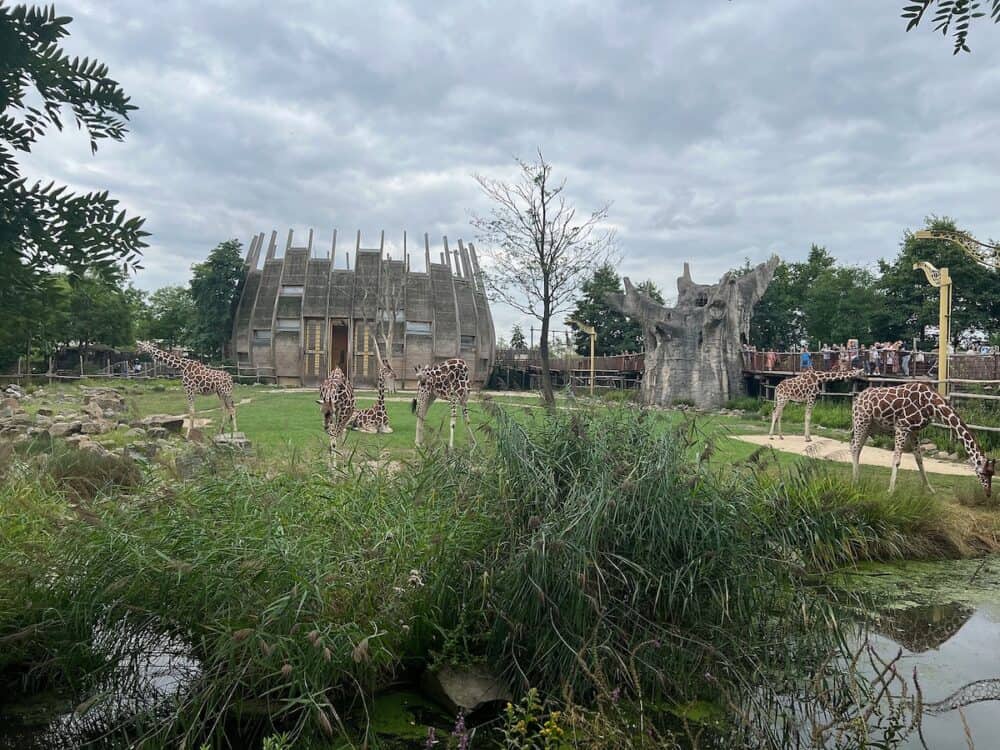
{"x":282,"y":423}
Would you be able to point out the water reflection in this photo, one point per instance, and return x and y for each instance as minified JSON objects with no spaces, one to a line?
{"x":954,"y":648}
{"x":923,"y":627}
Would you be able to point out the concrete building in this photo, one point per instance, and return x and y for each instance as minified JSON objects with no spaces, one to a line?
{"x":303,"y":313}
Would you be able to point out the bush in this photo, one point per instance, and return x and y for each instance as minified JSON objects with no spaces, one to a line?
{"x":83,"y":474}
{"x":623,"y":396}
{"x":746,"y":403}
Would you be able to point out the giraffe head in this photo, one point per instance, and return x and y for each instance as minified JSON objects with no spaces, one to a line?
{"x":984,"y":470}
{"x":144,"y":347}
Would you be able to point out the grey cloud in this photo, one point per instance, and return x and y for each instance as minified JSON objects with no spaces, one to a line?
{"x":719,"y":131}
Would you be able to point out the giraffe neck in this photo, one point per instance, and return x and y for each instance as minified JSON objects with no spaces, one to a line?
{"x":949,"y":417}
{"x":168,"y":357}
{"x":380,"y":401}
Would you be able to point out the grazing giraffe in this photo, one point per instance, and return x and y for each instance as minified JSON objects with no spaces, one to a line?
{"x":804,"y":389}
{"x":448,"y":380}
{"x":905,"y":410}
{"x":375,"y":418}
{"x":337,"y":402}
{"x":197,"y":379}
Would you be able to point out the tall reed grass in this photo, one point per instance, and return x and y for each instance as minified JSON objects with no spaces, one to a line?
{"x":586,"y":554}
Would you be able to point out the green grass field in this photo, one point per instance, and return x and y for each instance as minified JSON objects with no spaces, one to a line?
{"x":281,"y":423}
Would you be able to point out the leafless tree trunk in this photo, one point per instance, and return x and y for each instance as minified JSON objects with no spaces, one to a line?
{"x":539,"y":253}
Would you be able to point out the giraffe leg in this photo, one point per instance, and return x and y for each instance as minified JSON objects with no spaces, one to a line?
{"x":902,"y":436}
{"x":918,"y":456}
{"x":809,"y":415}
{"x":774,"y":417}
{"x":468,"y":427}
{"x":858,"y":438}
{"x":451,"y":434}
{"x":225,"y":417}
{"x":190,"y":414}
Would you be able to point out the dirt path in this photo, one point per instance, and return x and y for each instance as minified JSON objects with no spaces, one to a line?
{"x":835,"y":450}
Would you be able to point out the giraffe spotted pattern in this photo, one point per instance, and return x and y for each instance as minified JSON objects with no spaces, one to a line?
{"x":197,"y":379}
{"x":804,"y":389}
{"x":904,"y":410}
{"x":448,"y":380}
{"x":375,"y":418}
{"x":337,"y":406}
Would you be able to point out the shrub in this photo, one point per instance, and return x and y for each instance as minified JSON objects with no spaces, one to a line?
{"x":83,"y":474}
{"x":746,"y":403}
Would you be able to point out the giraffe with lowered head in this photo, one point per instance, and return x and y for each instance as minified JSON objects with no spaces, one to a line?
{"x":448,"y":380}
{"x":197,"y":379}
{"x":337,"y":405}
{"x":905,"y":410}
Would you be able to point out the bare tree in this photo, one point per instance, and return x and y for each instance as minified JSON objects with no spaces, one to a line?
{"x":539,"y":250}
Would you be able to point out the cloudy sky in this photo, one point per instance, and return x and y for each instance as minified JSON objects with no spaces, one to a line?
{"x":718,"y":130}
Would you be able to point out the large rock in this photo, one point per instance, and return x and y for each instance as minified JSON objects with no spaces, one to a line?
{"x":236,"y":442}
{"x":97,"y":427}
{"x":45,"y":412}
{"x":93,"y":410}
{"x":14,"y":391}
{"x":9,"y":407}
{"x":104,"y":398}
{"x":62,"y":429}
{"x":693,"y":350}
{"x":464,"y":688}
{"x":166,"y":421}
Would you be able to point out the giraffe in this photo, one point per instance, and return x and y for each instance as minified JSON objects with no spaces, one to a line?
{"x":197,"y":379}
{"x":375,"y":418}
{"x":804,"y":389}
{"x":337,"y":402}
{"x":905,"y":410}
{"x":448,"y":380}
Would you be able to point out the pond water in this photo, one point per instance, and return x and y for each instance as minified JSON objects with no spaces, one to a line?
{"x":945,"y":617}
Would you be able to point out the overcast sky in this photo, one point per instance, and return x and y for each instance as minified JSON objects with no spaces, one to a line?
{"x":719,"y":130}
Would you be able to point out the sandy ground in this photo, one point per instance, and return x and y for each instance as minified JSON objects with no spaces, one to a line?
{"x":835,"y":450}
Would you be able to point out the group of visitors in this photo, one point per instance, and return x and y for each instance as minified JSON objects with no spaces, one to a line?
{"x":880,"y":358}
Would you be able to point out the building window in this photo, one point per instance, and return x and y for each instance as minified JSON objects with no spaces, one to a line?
{"x":262,"y":336}
{"x":292,"y":291}
{"x":418,"y":328}
{"x":288,"y":324}
{"x":468,"y":343}
{"x":384,"y":315}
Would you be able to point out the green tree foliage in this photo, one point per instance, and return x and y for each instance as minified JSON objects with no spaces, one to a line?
{"x":953,"y":16}
{"x":45,"y":226}
{"x":215,"y":288}
{"x":840,"y":305}
{"x":171,"y":316}
{"x":911,"y":303}
{"x":779,"y":320}
{"x":99,"y":311}
{"x":517,"y":340}
{"x":616,"y":333}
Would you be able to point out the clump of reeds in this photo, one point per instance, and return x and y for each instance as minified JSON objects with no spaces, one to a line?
{"x":585,"y":553}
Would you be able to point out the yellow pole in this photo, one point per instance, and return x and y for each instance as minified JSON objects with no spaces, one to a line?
{"x":944,"y":328}
{"x":592,"y":332}
{"x":942,"y":279}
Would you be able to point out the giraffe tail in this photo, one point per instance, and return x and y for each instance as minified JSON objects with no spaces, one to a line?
{"x":413,"y":406}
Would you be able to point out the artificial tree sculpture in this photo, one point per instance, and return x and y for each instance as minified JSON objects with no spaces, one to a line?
{"x":694,"y":349}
